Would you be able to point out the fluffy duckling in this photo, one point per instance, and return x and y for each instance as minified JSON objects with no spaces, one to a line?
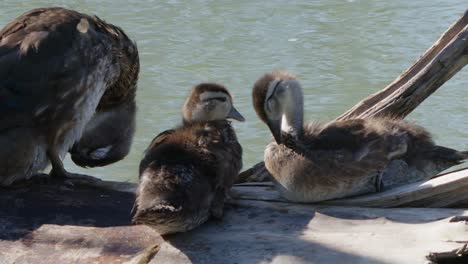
{"x":316,"y":162}
{"x":59,"y":70}
{"x":187,"y":171}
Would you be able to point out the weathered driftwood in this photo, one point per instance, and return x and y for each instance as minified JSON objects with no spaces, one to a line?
{"x":456,"y":256}
{"x":449,"y":190}
{"x":44,"y":224}
{"x":269,"y":232}
{"x":437,"y":65}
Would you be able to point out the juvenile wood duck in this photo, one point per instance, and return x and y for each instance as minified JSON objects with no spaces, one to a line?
{"x":314,"y":162}
{"x":187,"y":171}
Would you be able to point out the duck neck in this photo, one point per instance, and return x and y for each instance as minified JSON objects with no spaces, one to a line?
{"x":293,"y":115}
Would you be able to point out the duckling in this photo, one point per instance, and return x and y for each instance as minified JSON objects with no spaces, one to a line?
{"x":187,"y":171}
{"x":59,"y":70}
{"x":314,"y":162}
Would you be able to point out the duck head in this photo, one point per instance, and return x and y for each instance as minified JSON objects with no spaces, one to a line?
{"x":107,"y":137}
{"x":277,"y":99}
{"x":209,"y":102}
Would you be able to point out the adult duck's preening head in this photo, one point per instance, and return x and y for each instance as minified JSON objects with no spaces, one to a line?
{"x":209,"y":102}
{"x":277,"y":99}
{"x":108,"y":136}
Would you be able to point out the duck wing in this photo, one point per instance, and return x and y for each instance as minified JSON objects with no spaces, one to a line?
{"x":46,"y":56}
{"x":155,"y":143}
{"x":349,"y":146}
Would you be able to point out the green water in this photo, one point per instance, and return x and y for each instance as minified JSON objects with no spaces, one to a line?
{"x":341,"y":51}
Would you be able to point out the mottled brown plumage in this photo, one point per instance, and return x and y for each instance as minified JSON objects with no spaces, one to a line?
{"x":59,"y":70}
{"x":187,"y":171}
{"x":320,"y":162}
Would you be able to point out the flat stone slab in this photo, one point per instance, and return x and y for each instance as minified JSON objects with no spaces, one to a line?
{"x":55,"y":224}
{"x":77,"y":244}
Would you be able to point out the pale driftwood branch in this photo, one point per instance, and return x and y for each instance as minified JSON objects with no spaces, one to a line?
{"x":459,"y":255}
{"x":448,"y":190}
{"x":438,"y":64}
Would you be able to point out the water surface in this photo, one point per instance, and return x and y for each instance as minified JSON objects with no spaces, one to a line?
{"x":340,"y":50}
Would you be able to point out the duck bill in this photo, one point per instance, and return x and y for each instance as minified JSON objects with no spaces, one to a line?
{"x":234,"y":114}
{"x":275,"y":128}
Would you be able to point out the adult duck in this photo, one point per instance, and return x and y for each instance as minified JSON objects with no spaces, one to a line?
{"x":63,"y":75}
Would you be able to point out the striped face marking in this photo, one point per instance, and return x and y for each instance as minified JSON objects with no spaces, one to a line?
{"x":208,"y":96}
{"x":211,"y":106}
{"x":273,"y":100}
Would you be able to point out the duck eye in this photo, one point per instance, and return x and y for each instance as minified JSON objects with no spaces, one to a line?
{"x":280,"y":90}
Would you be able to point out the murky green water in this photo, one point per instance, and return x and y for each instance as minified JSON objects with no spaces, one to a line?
{"x":341,"y":51}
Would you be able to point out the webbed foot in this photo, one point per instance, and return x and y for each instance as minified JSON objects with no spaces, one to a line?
{"x":72,"y":179}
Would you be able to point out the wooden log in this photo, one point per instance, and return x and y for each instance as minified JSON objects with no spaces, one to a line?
{"x":437,"y":65}
{"x":448,"y":190}
{"x":91,"y":225}
{"x":269,"y":232}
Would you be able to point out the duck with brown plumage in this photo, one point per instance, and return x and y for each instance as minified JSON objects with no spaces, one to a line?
{"x":67,"y":83}
{"x":315,"y":162}
{"x":187,"y":171}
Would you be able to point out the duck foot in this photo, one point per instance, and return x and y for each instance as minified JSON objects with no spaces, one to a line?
{"x":69,"y":181}
{"x":73,"y":179}
{"x":379,"y":184}
{"x":41,"y":179}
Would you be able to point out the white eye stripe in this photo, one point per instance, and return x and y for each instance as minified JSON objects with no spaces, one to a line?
{"x":212,"y":96}
{"x":221,"y":99}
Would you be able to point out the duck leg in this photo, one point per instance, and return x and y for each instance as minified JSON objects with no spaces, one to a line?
{"x":379,"y":184}
{"x":58,"y":171}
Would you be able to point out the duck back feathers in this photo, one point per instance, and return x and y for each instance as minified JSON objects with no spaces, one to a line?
{"x":182,"y":174}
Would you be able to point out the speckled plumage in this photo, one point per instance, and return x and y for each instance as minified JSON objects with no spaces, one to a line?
{"x":57,"y":68}
{"x":187,"y":171}
{"x":318,"y":162}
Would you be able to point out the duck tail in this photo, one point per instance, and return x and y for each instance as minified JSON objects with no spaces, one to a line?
{"x":464,"y":154}
{"x":450,"y":157}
